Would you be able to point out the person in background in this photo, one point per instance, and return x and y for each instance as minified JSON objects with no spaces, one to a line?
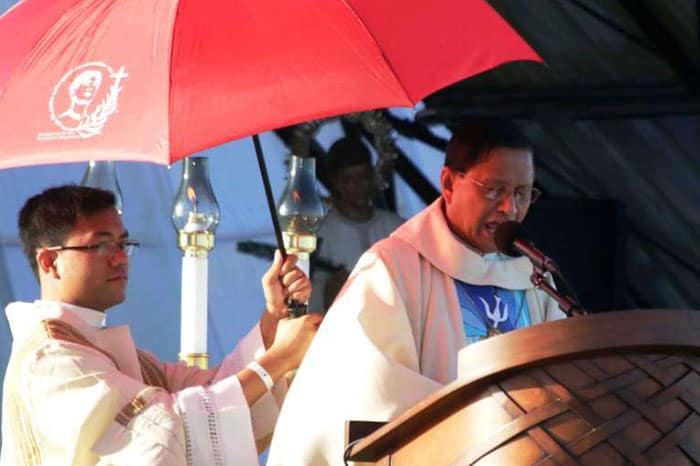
{"x":79,"y":393}
{"x":416,"y":298}
{"x":353,"y":223}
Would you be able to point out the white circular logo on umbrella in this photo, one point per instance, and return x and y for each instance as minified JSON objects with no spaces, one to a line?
{"x":83,"y":100}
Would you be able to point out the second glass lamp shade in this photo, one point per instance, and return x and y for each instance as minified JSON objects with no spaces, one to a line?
{"x":300,"y":209}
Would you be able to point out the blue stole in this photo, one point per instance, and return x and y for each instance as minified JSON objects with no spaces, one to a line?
{"x":481,"y":304}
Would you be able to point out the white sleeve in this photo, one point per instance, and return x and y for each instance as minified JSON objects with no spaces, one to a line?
{"x":217,"y":425}
{"x":264,"y":412}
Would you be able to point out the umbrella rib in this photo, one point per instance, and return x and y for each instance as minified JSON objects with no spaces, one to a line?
{"x":378,"y":48}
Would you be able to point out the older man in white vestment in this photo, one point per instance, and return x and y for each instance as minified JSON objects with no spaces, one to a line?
{"x":416,"y":298}
{"x":78,"y":393}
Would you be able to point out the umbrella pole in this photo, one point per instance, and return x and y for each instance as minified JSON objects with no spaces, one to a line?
{"x":268,"y":195}
{"x":295,"y":309}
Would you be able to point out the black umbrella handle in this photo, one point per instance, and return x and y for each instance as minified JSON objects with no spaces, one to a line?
{"x":296,"y":309}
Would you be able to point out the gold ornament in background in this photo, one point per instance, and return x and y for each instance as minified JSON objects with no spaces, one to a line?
{"x":373,"y":122}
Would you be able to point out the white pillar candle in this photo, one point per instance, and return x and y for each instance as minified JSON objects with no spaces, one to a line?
{"x":193,"y":323}
{"x":303,"y":263}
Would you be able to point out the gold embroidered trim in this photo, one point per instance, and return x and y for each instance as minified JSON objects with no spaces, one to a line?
{"x":128,"y":412}
{"x":24,"y":442}
{"x":58,"y":330}
{"x":28,"y":446}
{"x":151,"y":372}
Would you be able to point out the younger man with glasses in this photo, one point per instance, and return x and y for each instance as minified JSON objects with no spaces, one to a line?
{"x":416,"y":298}
{"x":81,"y":394}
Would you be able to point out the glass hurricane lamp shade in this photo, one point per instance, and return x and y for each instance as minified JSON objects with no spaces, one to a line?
{"x":103,"y":175}
{"x":300,"y":209}
{"x":195,"y":210}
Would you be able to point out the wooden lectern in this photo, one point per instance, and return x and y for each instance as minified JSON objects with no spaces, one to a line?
{"x":607,"y":389}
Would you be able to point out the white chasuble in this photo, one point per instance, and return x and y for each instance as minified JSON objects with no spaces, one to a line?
{"x":77,"y":394}
{"x":391,"y":338}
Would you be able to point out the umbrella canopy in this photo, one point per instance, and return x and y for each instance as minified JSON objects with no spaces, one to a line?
{"x":157,"y":81}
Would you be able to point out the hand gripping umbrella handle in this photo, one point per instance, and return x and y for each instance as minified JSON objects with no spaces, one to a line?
{"x":296,"y":309}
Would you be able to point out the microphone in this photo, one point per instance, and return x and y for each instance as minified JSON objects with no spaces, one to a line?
{"x":511,"y":239}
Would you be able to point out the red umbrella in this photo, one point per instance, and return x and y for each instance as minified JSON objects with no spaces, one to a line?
{"x":158,"y":80}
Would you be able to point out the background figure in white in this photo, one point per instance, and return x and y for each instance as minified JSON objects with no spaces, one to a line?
{"x":353,"y":222}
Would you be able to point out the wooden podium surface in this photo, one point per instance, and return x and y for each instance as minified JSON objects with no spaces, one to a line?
{"x":607,"y":389}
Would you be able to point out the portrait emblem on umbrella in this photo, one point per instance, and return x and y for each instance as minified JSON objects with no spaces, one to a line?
{"x":83,"y":100}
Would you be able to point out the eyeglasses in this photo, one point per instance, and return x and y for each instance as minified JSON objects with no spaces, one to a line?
{"x":103,"y":248}
{"x":522,"y":196}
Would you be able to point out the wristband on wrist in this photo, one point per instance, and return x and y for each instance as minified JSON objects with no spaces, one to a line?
{"x":262,"y":373}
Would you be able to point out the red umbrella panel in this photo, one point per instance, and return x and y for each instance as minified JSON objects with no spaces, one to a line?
{"x":156,"y":81}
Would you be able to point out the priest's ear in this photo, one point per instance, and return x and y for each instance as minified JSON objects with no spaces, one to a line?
{"x":46,"y":262}
{"x":447,"y":179}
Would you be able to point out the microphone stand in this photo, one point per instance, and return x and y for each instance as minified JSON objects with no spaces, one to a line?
{"x":566,"y":303}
